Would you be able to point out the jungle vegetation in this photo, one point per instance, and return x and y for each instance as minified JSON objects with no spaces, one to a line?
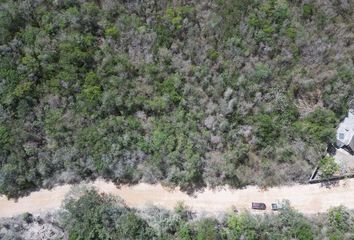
{"x":186,"y":93}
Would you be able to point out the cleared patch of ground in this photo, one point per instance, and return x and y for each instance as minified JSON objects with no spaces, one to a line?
{"x":345,"y":161}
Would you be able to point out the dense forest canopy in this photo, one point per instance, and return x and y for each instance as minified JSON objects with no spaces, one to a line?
{"x":187,"y":93}
{"x":93,"y":216}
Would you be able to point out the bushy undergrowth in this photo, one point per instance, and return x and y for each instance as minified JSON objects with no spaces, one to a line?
{"x":186,"y":93}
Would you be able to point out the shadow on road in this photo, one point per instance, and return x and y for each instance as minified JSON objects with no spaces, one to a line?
{"x":330,"y":184}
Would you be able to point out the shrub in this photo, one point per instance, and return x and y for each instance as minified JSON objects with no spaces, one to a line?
{"x":213,"y":54}
{"x":207,"y":229}
{"x":261,"y":73}
{"x":112,"y":32}
{"x":318,"y":126}
{"x":307,"y":10}
{"x":328,"y":167}
{"x":268,"y":131}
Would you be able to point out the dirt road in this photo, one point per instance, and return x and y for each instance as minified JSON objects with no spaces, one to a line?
{"x":308,"y":199}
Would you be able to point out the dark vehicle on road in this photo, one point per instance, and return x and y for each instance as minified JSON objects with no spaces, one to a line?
{"x":258,"y":206}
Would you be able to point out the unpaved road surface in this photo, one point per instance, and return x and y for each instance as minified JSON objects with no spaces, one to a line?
{"x":308,"y":199}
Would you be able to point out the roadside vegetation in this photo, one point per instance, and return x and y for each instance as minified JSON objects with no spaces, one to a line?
{"x":187,"y":93}
{"x":92,"y":216}
{"x":328,"y":167}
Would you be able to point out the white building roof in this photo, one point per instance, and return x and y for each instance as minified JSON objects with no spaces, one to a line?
{"x":345,"y":131}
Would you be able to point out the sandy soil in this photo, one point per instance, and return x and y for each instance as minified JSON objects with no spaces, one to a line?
{"x":308,"y":199}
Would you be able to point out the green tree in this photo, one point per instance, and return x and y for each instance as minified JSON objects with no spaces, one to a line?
{"x":97,"y":216}
{"x":240,"y":226}
{"x":207,"y":229}
{"x":318,"y":126}
{"x":340,"y":219}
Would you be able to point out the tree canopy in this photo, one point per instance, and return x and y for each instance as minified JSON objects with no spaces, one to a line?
{"x":187,"y":93}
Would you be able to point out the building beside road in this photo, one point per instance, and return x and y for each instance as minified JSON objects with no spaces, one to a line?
{"x":345,"y":132}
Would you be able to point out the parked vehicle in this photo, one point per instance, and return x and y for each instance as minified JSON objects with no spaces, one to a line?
{"x":258,"y":206}
{"x":277,"y":206}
